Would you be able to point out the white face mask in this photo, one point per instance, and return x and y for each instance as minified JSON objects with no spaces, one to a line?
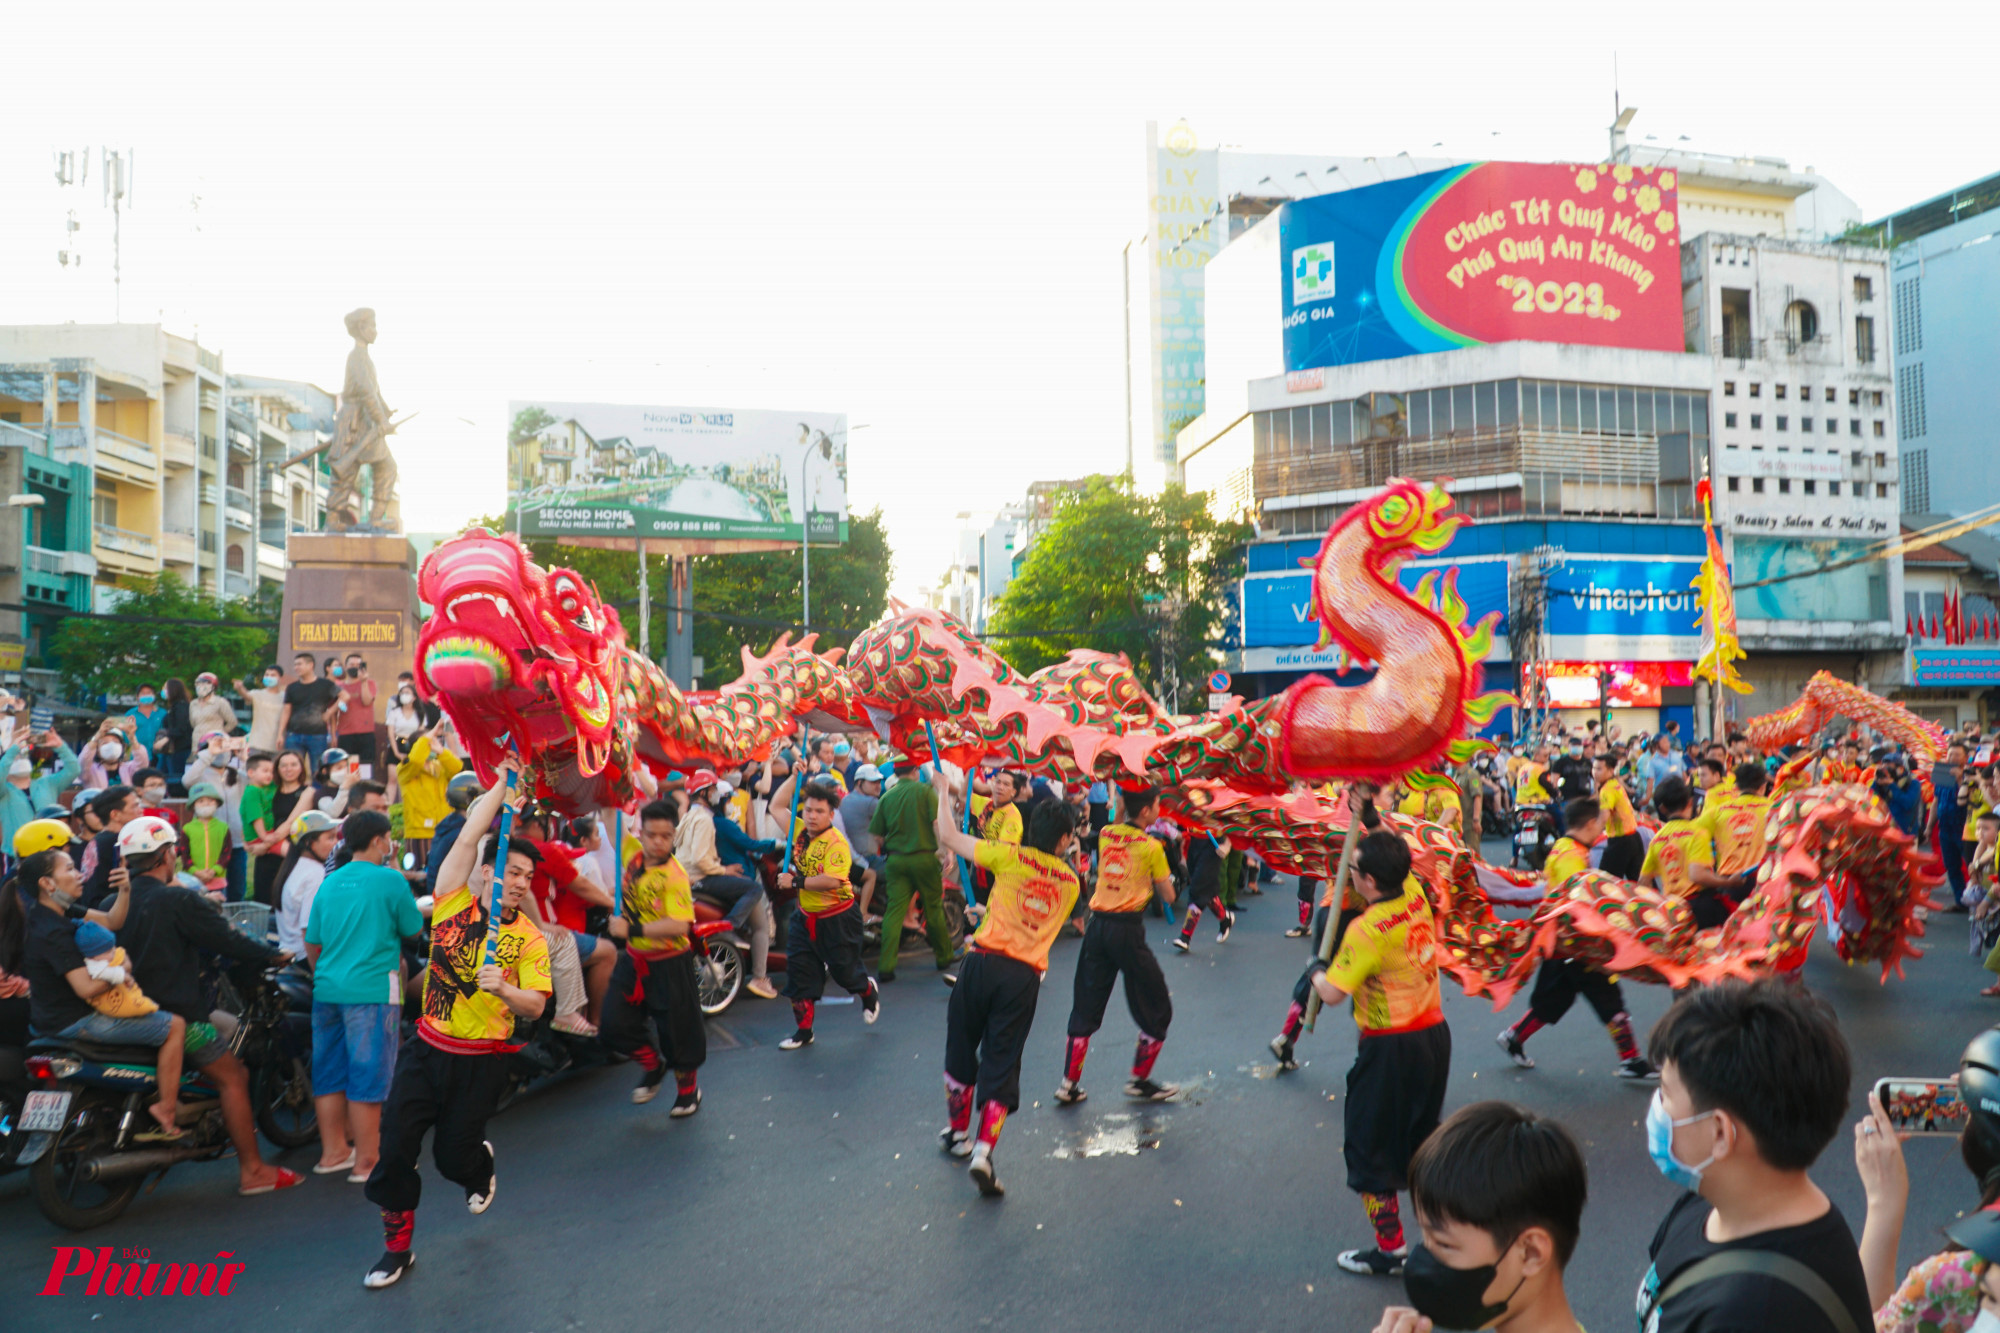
{"x":1988,"y":1322}
{"x":109,"y":752}
{"x":407,"y":698}
{"x":202,"y":687}
{"x":20,"y":768}
{"x":204,"y":810}
{"x":153,"y":795}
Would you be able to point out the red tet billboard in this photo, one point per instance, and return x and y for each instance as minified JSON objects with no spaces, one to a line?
{"x":1488,"y":252}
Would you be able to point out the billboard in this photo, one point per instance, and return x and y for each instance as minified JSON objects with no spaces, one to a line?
{"x":676,"y":473}
{"x":1617,"y":610}
{"x":1277,"y":608}
{"x":1481,"y":253}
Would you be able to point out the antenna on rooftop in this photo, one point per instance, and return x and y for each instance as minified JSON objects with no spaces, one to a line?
{"x":117,"y":189}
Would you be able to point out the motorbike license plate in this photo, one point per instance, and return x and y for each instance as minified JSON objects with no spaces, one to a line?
{"x":45,"y":1112}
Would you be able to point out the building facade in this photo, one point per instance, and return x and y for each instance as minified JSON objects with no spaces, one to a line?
{"x":147,"y":458}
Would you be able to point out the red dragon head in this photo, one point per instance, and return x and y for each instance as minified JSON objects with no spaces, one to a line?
{"x":516,"y":652}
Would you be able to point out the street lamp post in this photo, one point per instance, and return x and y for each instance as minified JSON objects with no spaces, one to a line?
{"x":806,"y":540}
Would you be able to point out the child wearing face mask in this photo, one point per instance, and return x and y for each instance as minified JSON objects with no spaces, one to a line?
{"x":152,"y":785}
{"x":113,"y":755}
{"x":1753,"y":1086}
{"x":206,"y":835}
{"x":1499,"y":1193}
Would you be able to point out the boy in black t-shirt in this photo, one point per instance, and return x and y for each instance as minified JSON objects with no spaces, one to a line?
{"x":1753,"y":1085}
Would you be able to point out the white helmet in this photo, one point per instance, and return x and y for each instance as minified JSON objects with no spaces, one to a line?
{"x":147,"y":833}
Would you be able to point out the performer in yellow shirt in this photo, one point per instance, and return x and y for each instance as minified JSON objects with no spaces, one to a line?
{"x":1388,"y":962}
{"x":824,"y":937}
{"x":1681,"y":861}
{"x":1560,"y":980}
{"x":1131,"y":872}
{"x":1624,"y":849}
{"x":655,"y":975}
{"x":993,"y":996}
{"x":1734,"y":820}
{"x":474,"y":1013}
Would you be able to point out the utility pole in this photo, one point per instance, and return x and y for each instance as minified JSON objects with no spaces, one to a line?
{"x":1125,"y":270}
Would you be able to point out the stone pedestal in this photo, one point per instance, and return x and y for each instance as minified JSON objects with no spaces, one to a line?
{"x":352,"y":594}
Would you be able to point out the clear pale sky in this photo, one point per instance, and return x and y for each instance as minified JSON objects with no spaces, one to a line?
{"x":910,"y":213}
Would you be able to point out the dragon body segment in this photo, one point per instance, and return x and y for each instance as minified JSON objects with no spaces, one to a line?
{"x":531,"y":660}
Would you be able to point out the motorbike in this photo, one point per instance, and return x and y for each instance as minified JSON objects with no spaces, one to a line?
{"x":1534,"y":835}
{"x":86,"y":1104}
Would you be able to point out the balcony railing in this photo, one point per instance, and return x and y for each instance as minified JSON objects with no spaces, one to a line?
{"x":127,"y":542}
{"x":43,"y":560}
{"x":239,"y":497}
{"x":23,"y":437}
{"x":123,"y":447}
{"x":1738,"y":347}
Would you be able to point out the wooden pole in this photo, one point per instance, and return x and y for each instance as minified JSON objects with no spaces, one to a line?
{"x":1330,"y":936}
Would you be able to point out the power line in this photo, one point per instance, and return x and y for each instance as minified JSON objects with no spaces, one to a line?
{"x":63,"y":612}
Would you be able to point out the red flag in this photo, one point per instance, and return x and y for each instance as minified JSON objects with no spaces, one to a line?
{"x":1953,"y":627}
{"x":1909,"y":625}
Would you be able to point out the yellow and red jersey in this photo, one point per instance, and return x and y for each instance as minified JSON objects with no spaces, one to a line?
{"x":1128,"y":862}
{"x":1619,"y":816}
{"x":828,"y":854}
{"x":1031,"y":898}
{"x":1735,"y":824}
{"x":1568,"y":857}
{"x":1680,"y":844}
{"x":1388,"y":961}
{"x":458,"y":1016}
{"x":997,"y":823}
{"x":660,"y":893}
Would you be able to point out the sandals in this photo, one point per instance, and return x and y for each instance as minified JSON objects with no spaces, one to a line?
{"x":283,"y":1180}
{"x":335,"y":1168}
{"x":1993,"y":990}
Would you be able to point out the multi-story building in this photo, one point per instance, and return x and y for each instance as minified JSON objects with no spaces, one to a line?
{"x":1951,"y":611}
{"x":1806,"y":470}
{"x":1579,"y":457}
{"x":145,"y":458}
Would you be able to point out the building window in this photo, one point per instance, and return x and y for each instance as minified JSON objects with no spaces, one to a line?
{"x":1833,"y":488}
{"x":1778,"y":392}
{"x":1729,"y":418}
{"x":1910,"y":394}
{"x":1784,"y":422}
{"x":1784,"y":485}
{"x":1811,"y":487}
{"x":1832,"y":426}
{"x":1756,"y":389}
{"x":1881,"y":490}
{"x":1855,"y":458}
{"x":1881,"y":458}
{"x":1801,"y":323}
{"x":1756,"y":421}
{"x":1875,"y":398}
{"x":106,"y":511}
{"x":1729,"y":388}
{"x":1805,"y":424}
{"x":1854,"y":426}
{"x":1916,"y":469}
{"x":1736,"y":483}
{"x":1880,"y":432}
{"x":1864,"y":289}
{"x":1854,"y":397}
{"x":1829,"y":393}
{"x":1864,"y":339}
{"x":1757,"y":485}
{"x":233,"y":558}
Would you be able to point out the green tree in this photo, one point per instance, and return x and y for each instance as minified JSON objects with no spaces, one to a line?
{"x":528,"y":422}
{"x":113,"y":657}
{"x":744,"y":600}
{"x":1146,"y":576}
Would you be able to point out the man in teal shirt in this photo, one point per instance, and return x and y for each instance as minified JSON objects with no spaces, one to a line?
{"x":24,"y":794}
{"x":360,"y":917}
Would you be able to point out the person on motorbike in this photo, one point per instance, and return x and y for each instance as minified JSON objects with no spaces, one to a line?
{"x":60,"y":985}
{"x":579,"y":961}
{"x":166,"y":931}
{"x":729,"y":886}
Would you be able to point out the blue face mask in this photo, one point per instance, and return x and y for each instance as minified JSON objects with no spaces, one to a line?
{"x":145,"y":698}
{"x":335,"y":671}
{"x":1660,"y":1129}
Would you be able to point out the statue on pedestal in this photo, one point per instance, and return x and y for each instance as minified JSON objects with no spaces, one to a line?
{"x":361,"y":439}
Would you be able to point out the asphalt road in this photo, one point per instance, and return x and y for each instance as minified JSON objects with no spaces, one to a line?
{"x":810,"y":1192}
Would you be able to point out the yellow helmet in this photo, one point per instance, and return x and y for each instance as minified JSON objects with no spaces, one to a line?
{"x":39,"y":835}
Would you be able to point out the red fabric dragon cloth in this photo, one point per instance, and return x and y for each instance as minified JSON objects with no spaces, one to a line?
{"x":529,"y":658}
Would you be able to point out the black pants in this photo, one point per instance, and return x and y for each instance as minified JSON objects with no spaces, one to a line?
{"x":1710,"y":907}
{"x":986,"y":1026}
{"x":264,"y":880}
{"x":815,"y":950}
{"x":1624,"y":856}
{"x":361,"y":745}
{"x":667,"y":995}
{"x":1561,"y":980}
{"x":1395,"y":1094}
{"x":434,"y":1089}
{"x":1114,"y":943}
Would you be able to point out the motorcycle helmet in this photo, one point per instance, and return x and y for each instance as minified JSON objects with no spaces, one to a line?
{"x":313,"y":823}
{"x":700,"y":781}
{"x":146,"y":834}
{"x":39,"y":835}
{"x":84,"y":798}
{"x":462,"y":790}
{"x":52,"y":812}
{"x":1979,"y":1089}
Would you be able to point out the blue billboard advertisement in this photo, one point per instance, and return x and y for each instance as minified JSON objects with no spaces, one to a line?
{"x":1277,"y":608}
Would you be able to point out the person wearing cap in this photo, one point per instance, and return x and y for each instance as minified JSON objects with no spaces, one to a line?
{"x":863,"y":795}
{"x":168,"y":929}
{"x":24,"y":793}
{"x":459,"y":794}
{"x":206,"y":836}
{"x":728,"y":886}
{"x":1956,"y":1290}
{"x":209,"y":711}
{"x":62,"y":990}
{"x":220,"y":761}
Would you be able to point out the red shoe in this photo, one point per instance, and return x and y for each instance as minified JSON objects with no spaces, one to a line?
{"x":283,"y":1180}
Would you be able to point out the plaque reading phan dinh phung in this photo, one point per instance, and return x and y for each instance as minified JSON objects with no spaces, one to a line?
{"x":343,"y":630}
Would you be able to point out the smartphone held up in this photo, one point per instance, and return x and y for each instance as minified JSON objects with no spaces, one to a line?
{"x":1930,"y":1106}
